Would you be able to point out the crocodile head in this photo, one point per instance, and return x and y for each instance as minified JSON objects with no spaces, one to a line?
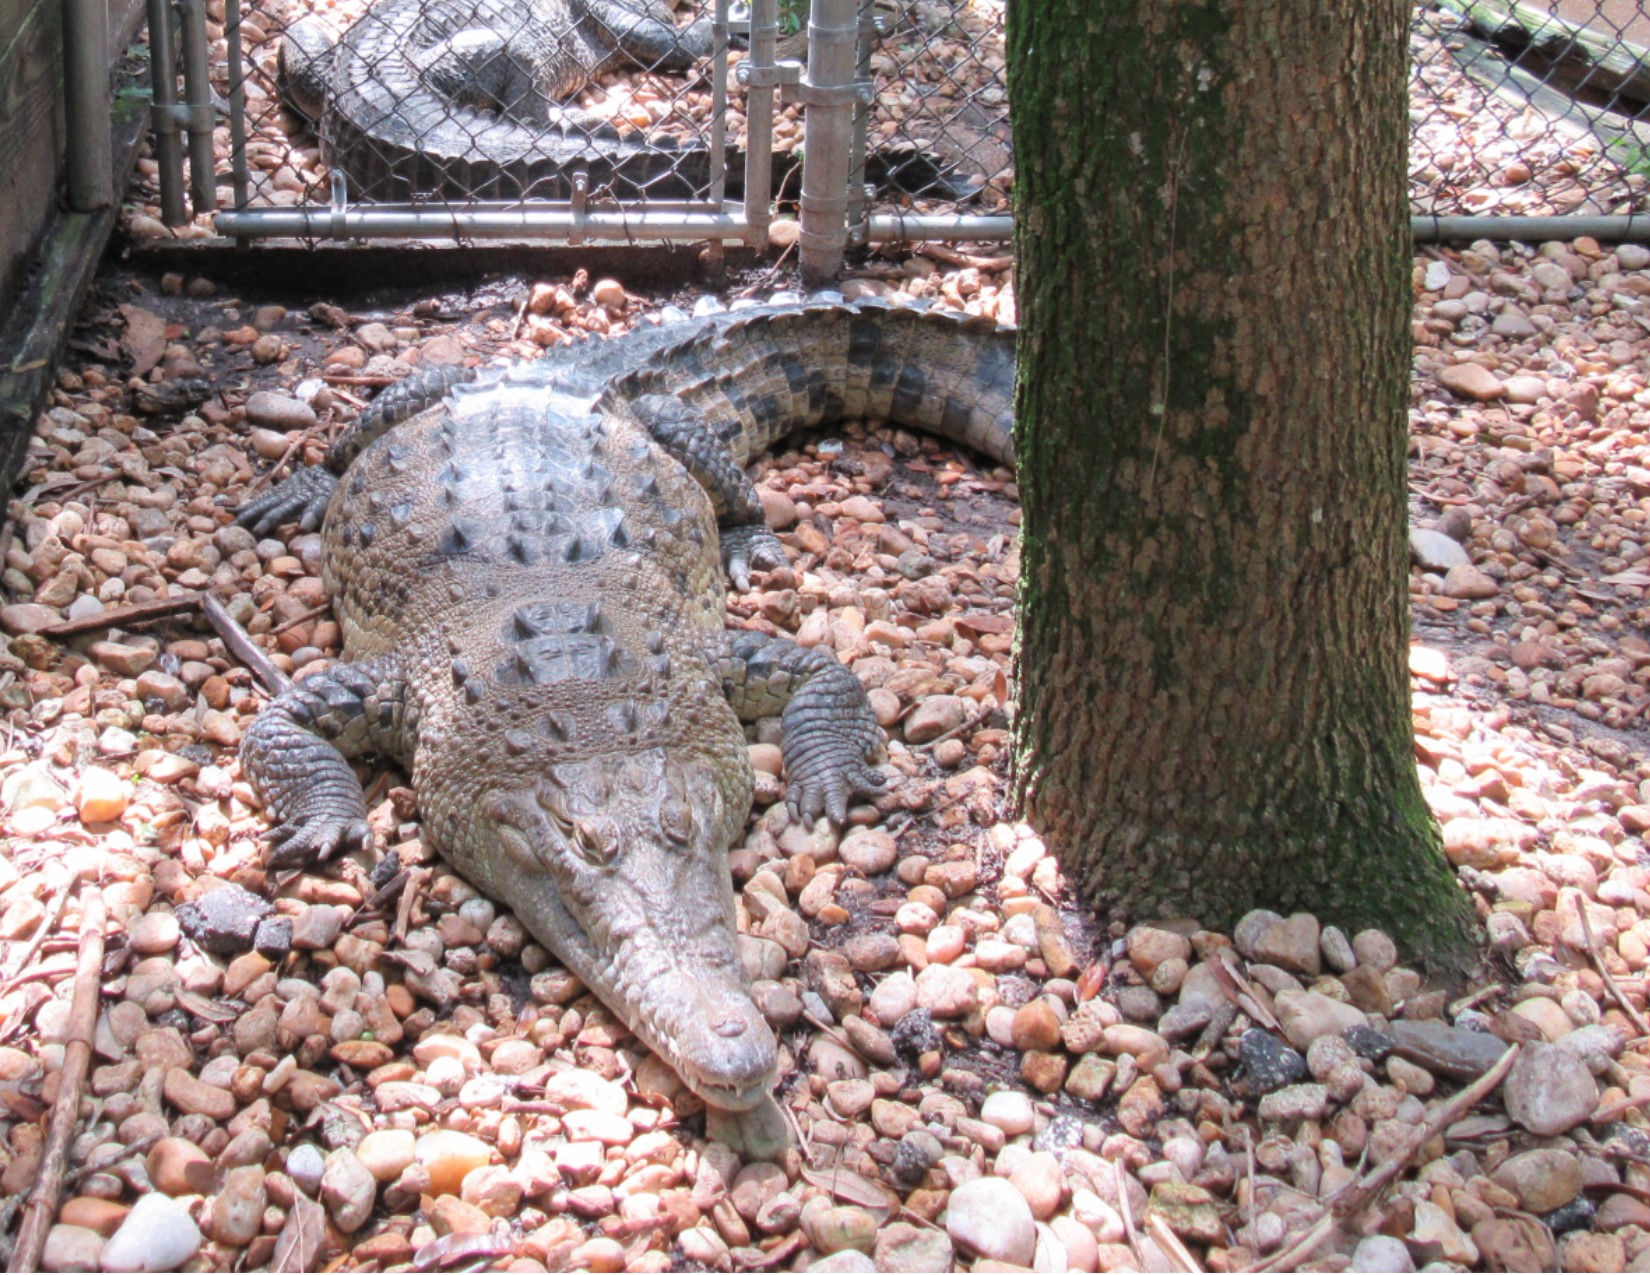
{"x":619,"y":864}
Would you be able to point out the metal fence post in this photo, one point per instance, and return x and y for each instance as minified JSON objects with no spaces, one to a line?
{"x":197,"y":94}
{"x":760,"y":78}
{"x":163,"y":113}
{"x":89,"y":157}
{"x":828,"y":93}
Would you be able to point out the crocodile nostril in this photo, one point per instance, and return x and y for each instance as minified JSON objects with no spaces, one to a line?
{"x":730,"y":1027}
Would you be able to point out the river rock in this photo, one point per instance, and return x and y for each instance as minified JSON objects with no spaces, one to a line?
{"x":988,"y":1217}
{"x":157,"y":1235}
{"x":1549,"y":1090}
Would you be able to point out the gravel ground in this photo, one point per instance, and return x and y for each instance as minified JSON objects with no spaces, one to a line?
{"x":373,"y":1066}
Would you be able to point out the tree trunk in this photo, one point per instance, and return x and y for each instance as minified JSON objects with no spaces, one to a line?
{"x":1213,"y":278}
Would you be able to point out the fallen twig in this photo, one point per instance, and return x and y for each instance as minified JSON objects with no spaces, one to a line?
{"x":77,"y":1057}
{"x":257,"y":483}
{"x":1616,"y":1110}
{"x":16,"y":964}
{"x":302,"y":617}
{"x":1637,"y":1018}
{"x":97,"y":1164}
{"x":121,"y":617}
{"x":1351,"y":1199}
{"x":242,"y":647}
{"x":1171,"y":1245}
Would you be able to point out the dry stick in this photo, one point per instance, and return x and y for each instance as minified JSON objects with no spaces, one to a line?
{"x":257,"y":483}
{"x":111,"y":1158}
{"x":77,"y":1058}
{"x":303,"y":617}
{"x":1351,"y":1198}
{"x":243,"y":648}
{"x":54,"y":913}
{"x":1121,"y":1186}
{"x":1618,"y":1109}
{"x":1170,"y":1243}
{"x":1598,"y":964}
{"x":120,"y":617}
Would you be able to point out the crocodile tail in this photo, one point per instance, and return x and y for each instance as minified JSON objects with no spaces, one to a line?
{"x":759,"y":375}
{"x":305,"y":65}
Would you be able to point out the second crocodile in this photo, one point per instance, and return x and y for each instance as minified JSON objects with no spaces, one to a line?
{"x":469,"y":98}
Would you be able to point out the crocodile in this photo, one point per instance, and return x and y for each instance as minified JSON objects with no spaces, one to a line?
{"x":527,"y":565}
{"x":469,"y":98}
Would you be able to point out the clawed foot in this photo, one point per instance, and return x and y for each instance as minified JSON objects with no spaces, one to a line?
{"x":305,"y":496}
{"x":749,"y":548}
{"x":828,"y":787}
{"x":302,"y":845}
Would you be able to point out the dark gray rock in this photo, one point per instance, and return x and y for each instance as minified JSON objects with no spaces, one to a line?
{"x":1268,"y":1064}
{"x":224,"y":921}
{"x":1445,"y":1050}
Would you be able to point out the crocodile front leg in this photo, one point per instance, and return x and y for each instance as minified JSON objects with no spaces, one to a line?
{"x":305,"y":494}
{"x":295,"y":757}
{"x":687,"y":436}
{"x":830,"y":731}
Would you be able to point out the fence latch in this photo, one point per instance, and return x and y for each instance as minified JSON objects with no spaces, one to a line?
{"x":798,"y":88}
{"x":784,"y":75}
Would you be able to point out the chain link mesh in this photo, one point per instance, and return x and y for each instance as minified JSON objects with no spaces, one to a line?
{"x":936,"y":129}
{"x":434,"y":103}
{"x":1529,"y":107}
{"x":1526,"y":107}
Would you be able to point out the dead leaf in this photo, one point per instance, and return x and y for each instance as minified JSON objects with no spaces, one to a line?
{"x":145,"y":338}
{"x":299,"y":1242}
{"x":1091,"y":981}
{"x":203,"y":1007}
{"x":1637,"y":579}
{"x":460,"y":1246}
{"x":847,"y":1185}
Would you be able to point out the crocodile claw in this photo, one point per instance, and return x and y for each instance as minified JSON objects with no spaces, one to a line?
{"x":302,"y":845}
{"x":827,"y":789}
{"x":305,"y":496}
{"x":749,"y":548}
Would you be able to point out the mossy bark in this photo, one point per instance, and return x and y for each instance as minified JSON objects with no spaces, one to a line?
{"x":1213,"y":263}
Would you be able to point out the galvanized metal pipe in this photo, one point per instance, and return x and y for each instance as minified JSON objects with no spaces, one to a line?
{"x":89,"y":154}
{"x":163,"y":115}
{"x":555,"y":224}
{"x":1533,"y":229}
{"x":197,"y":95}
{"x":827,"y":92}
{"x":759,"y":122}
{"x":237,"y":103}
{"x":858,"y":198}
{"x":719,"y":102}
{"x":957,"y":227}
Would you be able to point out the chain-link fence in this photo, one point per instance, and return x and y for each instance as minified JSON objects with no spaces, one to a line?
{"x":622,"y":119}
{"x":1534,"y":108}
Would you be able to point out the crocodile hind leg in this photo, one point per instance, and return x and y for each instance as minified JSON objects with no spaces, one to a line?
{"x":295,"y":755}
{"x":830,"y":732}
{"x":685,"y":434}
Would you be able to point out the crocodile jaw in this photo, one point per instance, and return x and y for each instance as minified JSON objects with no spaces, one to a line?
{"x":626,"y":880}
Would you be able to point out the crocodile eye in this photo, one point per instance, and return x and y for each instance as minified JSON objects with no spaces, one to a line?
{"x":597,"y":839}
{"x":676,"y":820}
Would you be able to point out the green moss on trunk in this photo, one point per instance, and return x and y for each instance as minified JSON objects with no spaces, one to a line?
{"x":1213,"y":285}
